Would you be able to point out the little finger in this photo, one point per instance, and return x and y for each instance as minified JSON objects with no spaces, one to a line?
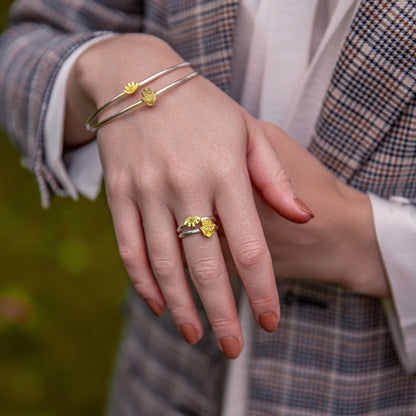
{"x":132,"y":248}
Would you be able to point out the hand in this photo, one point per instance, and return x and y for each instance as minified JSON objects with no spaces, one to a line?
{"x":186,"y":156}
{"x":339,"y":245}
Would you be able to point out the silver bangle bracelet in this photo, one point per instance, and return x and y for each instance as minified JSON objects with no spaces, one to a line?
{"x":130,"y":88}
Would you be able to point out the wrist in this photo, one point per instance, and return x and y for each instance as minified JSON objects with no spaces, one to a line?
{"x":126,"y":58}
{"x":364,"y":267}
{"x":102,"y":71}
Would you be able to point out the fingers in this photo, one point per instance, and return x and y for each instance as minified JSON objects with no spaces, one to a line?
{"x":166,"y":275}
{"x":132,"y":248}
{"x":206,"y":268}
{"x":250,"y":253}
{"x":210,"y":278}
{"x":167,"y":264}
{"x":269,"y":176}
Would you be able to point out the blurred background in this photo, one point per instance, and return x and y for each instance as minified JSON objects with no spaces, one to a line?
{"x":61,"y":291}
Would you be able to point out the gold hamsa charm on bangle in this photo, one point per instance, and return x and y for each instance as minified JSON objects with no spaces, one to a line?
{"x":149,"y":97}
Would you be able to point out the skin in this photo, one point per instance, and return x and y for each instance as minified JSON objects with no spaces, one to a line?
{"x":197,"y":152}
{"x":341,"y":236}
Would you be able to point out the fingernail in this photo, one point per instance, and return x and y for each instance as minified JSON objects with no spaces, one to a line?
{"x":303,"y":207}
{"x":154,"y":307}
{"x":269,"y":321}
{"x":189,"y":333}
{"x":230,"y":347}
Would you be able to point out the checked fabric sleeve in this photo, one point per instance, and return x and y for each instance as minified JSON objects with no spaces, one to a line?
{"x":40,"y":37}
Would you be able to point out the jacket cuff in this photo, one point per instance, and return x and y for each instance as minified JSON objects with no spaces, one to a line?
{"x":79,"y":170}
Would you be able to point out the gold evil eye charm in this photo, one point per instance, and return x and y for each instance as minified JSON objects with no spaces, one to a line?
{"x":131,"y":87}
{"x":207,"y":228}
{"x":149,"y":97}
{"x":192,"y":221}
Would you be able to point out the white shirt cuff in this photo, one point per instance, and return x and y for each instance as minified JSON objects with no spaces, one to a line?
{"x":78,"y":171}
{"x":237,"y":377}
{"x":395,"y":222}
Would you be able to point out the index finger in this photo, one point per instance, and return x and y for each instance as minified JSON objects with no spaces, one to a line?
{"x":244,"y":233}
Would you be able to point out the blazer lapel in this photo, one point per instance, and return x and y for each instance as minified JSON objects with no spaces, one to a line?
{"x":372,"y":84}
{"x":200,"y":31}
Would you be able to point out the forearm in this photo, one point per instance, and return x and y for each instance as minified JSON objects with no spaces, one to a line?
{"x":339,"y":245}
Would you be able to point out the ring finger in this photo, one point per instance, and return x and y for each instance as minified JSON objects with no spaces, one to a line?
{"x":210,"y":278}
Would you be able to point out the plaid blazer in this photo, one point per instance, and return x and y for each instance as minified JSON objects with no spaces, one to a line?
{"x":333,"y":353}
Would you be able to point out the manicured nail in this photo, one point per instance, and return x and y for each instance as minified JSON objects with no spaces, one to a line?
{"x":230,"y":347}
{"x":154,"y":307}
{"x":189,"y":333}
{"x":269,"y":321}
{"x":303,"y":207}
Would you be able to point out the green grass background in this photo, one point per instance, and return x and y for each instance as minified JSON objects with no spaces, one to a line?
{"x":61,"y":290}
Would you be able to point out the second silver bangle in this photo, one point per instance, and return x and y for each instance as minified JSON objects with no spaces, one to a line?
{"x":130,"y":88}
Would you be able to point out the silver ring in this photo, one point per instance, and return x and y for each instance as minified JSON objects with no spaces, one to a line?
{"x":195,"y":225}
{"x":193,"y":221}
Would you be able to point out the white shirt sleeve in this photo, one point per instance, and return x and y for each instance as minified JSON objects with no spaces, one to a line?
{"x":78,"y":171}
{"x":237,"y":376}
{"x":395,"y":222}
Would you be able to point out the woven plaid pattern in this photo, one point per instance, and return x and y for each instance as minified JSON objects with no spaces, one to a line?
{"x":332,"y":354}
{"x":158,"y":373}
{"x":201,"y":31}
{"x":366,"y":132}
{"x":43,"y":34}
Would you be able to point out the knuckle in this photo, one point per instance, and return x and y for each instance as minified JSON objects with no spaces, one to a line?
{"x":179,"y":312}
{"x":142,"y":179}
{"x":163,"y":268}
{"x":229,"y":173}
{"x":206,"y":270}
{"x":252,"y":253}
{"x":178,"y":174}
{"x":148,"y":183}
{"x":262,"y":300}
{"x":117,"y":185}
{"x":129,"y":255}
{"x":141,"y":287}
{"x":226,"y":171}
{"x":222,"y":323}
{"x":184,"y":182}
{"x":282,"y":177}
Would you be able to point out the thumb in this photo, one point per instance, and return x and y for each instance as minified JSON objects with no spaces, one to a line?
{"x":269,"y":176}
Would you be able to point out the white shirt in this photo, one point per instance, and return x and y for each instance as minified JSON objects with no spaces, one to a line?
{"x":287,"y":88}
